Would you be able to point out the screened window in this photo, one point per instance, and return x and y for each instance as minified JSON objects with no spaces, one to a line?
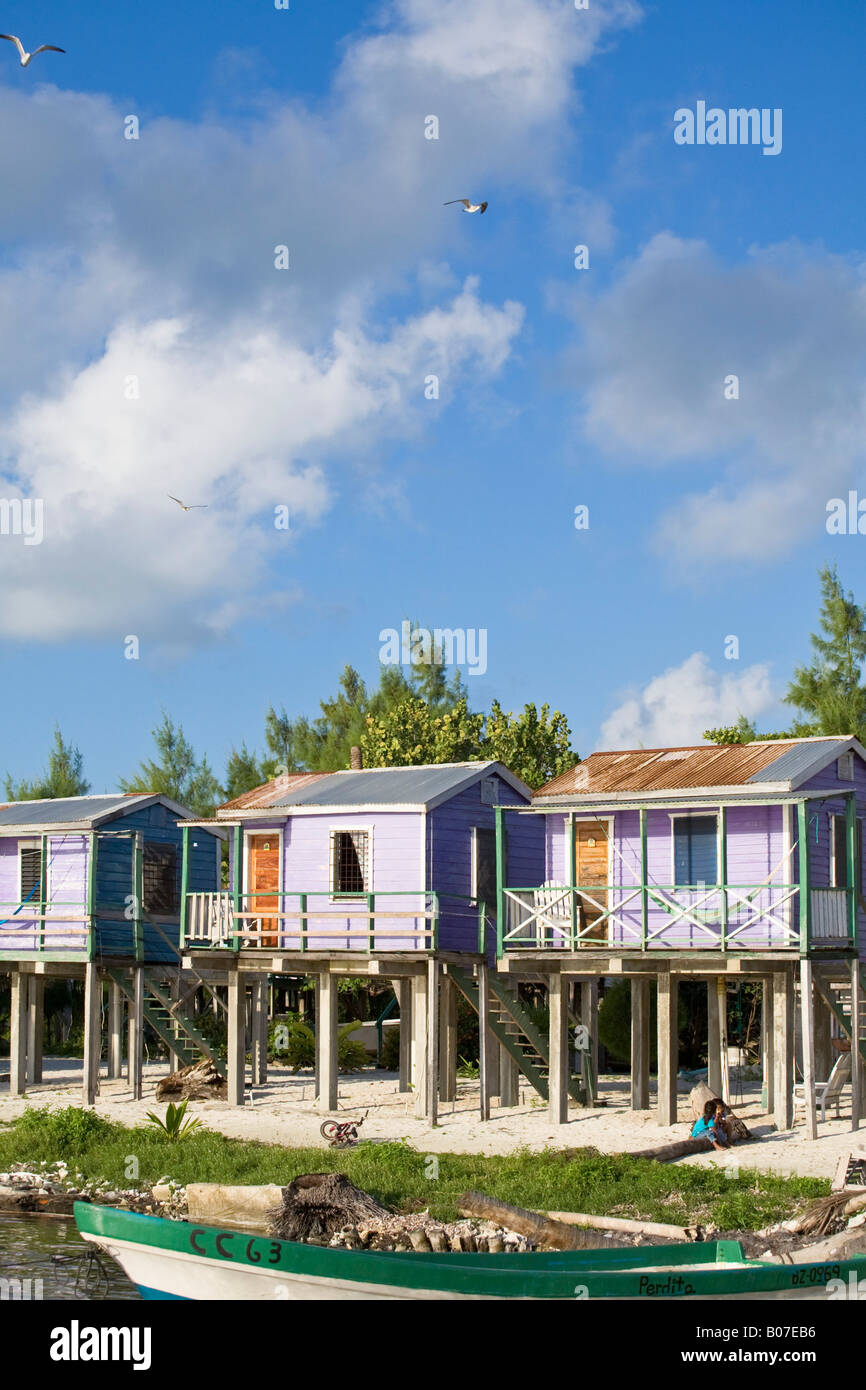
{"x":839,"y":852}
{"x":160,"y":880}
{"x":350,"y":862}
{"x":30,"y":863}
{"x":695,"y":850}
{"x":484,"y":868}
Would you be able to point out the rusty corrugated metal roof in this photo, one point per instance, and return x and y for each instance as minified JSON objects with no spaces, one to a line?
{"x":271,"y":792}
{"x":671,"y":769}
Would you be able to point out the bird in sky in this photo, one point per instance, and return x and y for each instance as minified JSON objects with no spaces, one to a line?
{"x":468,"y":205}
{"x":196,"y":507}
{"x":28,"y":57}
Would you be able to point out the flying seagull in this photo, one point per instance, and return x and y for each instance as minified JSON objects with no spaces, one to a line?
{"x":467,"y":205}
{"x":28,"y":57}
{"x":196,"y":507}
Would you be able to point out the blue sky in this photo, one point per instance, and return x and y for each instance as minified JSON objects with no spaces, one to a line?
{"x":153,"y":261}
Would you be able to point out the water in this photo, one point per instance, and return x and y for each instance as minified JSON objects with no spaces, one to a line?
{"x":50,"y":1248}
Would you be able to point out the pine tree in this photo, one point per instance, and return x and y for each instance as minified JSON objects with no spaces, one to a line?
{"x":178,"y":774}
{"x":63,"y":777}
{"x":829,"y":694}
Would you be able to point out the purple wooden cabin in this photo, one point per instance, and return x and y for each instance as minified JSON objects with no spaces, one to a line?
{"x":377,"y":860}
{"x":744,"y":848}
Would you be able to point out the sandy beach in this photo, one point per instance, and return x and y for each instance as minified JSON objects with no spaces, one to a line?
{"x":282,"y":1112}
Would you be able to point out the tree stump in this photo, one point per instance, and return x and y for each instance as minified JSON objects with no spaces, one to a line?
{"x":317,"y":1205}
{"x":201,"y":1081}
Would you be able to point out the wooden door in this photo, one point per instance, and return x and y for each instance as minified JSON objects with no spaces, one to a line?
{"x":592,"y":871}
{"x":264,"y":882}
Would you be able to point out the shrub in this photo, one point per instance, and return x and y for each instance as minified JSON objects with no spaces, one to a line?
{"x":70,"y":1131}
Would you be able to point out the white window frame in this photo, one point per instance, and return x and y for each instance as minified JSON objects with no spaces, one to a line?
{"x":694,"y":815}
{"x":333,"y":831}
{"x":473,"y":878}
{"x":832,"y":817}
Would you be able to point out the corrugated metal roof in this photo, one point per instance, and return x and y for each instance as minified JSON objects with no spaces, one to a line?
{"x":383,"y":786}
{"x":420,"y":785}
{"x":798,"y":758}
{"x":63,"y":810}
{"x":267,"y":794}
{"x":704,"y":765}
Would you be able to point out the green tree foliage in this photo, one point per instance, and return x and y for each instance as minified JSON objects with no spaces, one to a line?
{"x":177,"y":772}
{"x":63,"y":776}
{"x":244,"y":771}
{"x":534,"y":745}
{"x":324,"y":744}
{"x":742,"y":732}
{"x":829,"y":693}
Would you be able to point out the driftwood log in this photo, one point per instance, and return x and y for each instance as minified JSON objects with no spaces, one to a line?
{"x":199,"y":1082}
{"x":544,"y":1230}
{"x":623,"y":1223}
{"x":317,"y":1205}
{"x":700,"y":1094}
{"x":680,"y":1148}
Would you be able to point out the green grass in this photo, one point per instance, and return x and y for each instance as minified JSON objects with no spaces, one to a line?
{"x":576,"y":1180}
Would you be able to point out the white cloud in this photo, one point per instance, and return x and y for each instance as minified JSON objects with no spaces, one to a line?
{"x":155,"y":258}
{"x":791,"y":324}
{"x":676,"y":707}
{"x":240,"y":422}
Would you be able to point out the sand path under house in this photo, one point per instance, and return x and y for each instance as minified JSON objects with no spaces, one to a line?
{"x":282,"y":1112}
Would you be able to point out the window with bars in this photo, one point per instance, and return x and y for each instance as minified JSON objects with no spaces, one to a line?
{"x":30,"y":867}
{"x":350,"y":862}
{"x":159,"y":873}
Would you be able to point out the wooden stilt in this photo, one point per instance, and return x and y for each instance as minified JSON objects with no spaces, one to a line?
{"x":559,"y":1062}
{"x":174,"y":1058}
{"x":808,"y":1035}
{"x":447,"y":1039}
{"x":237,"y":1039}
{"x":668,"y":1048}
{"x":589,"y":1017}
{"x":824,"y":1057}
{"x":509,"y":1079}
{"x":640,"y":1043}
{"x":404,"y":998}
{"x":260,"y":1032}
{"x":484,"y":1039}
{"x":115,"y":1031}
{"x":856,"y":1058}
{"x":783,"y":1049}
{"x":326,"y":1031}
{"x":18,"y":1035}
{"x":35,"y":1019}
{"x":714,"y":1039}
{"x":493,"y":1080}
{"x":433,"y":1041}
{"x":135,"y":1037}
{"x":420,"y":1029}
{"x":767,"y":1053}
{"x":92,"y":1032}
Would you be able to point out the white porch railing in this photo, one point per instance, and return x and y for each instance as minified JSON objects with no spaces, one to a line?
{"x":209,"y":918}
{"x":676,"y":917}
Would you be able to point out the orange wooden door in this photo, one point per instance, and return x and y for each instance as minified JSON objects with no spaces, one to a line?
{"x":591,"y":871}
{"x":264,"y":882}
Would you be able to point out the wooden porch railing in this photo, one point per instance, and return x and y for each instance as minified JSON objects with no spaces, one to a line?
{"x":362,"y":922}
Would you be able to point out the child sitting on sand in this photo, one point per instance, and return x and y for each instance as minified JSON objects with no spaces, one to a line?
{"x":712,"y":1125}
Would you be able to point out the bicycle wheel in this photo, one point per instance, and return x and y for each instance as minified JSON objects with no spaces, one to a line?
{"x":329,"y":1130}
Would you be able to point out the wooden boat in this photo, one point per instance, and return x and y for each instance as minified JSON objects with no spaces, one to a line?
{"x":180,"y":1259}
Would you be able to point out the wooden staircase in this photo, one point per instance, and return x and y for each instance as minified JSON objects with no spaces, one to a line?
{"x":168,"y":1017}
{"x":836,"y":994}
{"x":511,"y":1023}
